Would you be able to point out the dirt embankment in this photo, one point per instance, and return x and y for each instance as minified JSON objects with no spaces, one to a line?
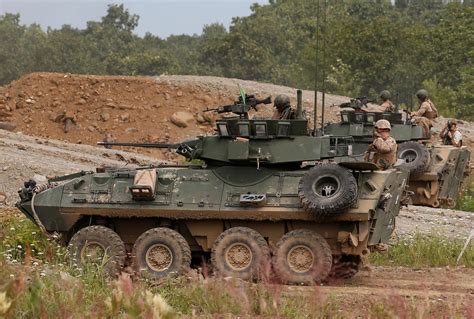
{"x":141,"y":109}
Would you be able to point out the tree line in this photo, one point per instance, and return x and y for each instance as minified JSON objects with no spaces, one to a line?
{"x":370,"y":45}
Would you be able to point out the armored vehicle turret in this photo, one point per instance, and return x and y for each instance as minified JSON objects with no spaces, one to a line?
{"x":268,"y":195}
{"x":436,"y":172}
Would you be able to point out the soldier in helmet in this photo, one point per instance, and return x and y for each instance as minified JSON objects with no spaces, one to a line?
{"x":425,"y":113}
{"x":387,"y":104}
{"x":283,"y":108}
{"x":383,"y":150}
{"x":450,"y":134}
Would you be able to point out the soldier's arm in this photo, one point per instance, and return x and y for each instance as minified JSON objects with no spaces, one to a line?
{"x":457,"y":139}
{"x":383,"y":146}
{"x":443,"y":132}
{"x":422,"y":110}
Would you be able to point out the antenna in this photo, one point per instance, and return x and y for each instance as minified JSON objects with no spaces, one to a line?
{"x":323,"y":48}
{"x":316,"y":70}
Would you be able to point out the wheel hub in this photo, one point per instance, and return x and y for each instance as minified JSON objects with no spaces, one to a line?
{"x":326,"y":186}
{"x":409,"y":156}
{"x":300,"y":259}
{"x":93,"y":252}
{"x":159,"y":257}
{"x":238,"y":256}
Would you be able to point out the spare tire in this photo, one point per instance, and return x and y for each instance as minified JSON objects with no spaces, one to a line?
{"x":327,"y":188}
{"x":416,"y":157}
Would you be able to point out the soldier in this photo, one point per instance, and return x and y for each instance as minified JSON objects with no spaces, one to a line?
{"x":383,"y":150}
{"x":283,"y":108}
{"x":386,"y":102}
{"x":450,"y":134}
{"x":425,"y":113}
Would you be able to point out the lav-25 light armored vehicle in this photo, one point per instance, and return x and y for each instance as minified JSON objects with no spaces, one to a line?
{"x":251,"y":207}
{"x":436,"y":171}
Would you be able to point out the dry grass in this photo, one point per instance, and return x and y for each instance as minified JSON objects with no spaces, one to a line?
{"x":38,"y":281}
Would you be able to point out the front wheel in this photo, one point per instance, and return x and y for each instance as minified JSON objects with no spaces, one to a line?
{"x":100,"y":246}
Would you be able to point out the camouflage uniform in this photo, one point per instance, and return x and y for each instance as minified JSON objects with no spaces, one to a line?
{"x":287,"y":114}
{"x":283,"y":110}
{"x":425,"y":113}
{"x":450,"y":135}
{"x":388,"y":106}
{"x":385,"y":152}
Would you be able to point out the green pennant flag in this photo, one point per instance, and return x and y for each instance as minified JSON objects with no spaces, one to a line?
{"x":242,"y":94}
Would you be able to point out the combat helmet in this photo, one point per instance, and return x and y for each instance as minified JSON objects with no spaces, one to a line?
{"x":422,"y":94}
{"x":383,"y":124}
{"x":282,"y":101}
{"x":385,"y":95}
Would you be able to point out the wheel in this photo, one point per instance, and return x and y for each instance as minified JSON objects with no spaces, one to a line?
{"x":345,"y":266}
{"x":327,"y":188}
{"x":241,"y":252}
{"x":98,"y":245}
{"x":302,"y":257}
{"x":160,"y":252}
{"x":416,"y":157}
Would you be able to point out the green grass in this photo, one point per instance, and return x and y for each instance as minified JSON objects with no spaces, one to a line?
{"x":425,"y":251}
{"x":37,"y":280}
{"x":465,"y":201}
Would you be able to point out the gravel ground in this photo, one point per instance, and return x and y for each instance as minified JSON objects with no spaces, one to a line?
{"x":24,"y":156}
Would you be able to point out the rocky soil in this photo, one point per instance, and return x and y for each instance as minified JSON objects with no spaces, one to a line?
{"x":84,"y":109}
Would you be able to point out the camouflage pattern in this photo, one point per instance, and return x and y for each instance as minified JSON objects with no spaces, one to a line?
{"x":385,"y":95}
{"x":388,"y":106}
{"x":422,"y":94}
{"x":425,"y":114}
{"x":383,"y":124}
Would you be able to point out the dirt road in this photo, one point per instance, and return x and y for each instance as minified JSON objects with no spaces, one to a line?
{"x":426,"y":292}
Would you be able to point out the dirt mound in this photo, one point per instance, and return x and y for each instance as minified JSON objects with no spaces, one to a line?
{"x":85,"y":109}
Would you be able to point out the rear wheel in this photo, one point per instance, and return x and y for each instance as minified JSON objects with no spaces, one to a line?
{"x":100,"y":246}
{"x":416,"y":157}
{"x":160,"y":252}
{"x":241,"y":252}
{"x":302,"y":257}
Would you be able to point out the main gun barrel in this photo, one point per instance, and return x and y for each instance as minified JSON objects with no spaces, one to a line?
{"x":147,"y":145}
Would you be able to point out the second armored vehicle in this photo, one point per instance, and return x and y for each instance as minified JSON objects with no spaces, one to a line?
{"x":436,"y":172}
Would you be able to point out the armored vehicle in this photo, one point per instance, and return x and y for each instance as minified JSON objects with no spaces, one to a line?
{"x":436,"y":172}
{"x":257,"y":202}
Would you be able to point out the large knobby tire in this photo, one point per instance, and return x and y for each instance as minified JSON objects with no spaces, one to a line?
{"x":416,"y":157}
{"x":327,"y":188}
{"x":98,"y":245}
{"x":241,"y":252}
{"x":302,"y":257}
{"x":161,"y":252}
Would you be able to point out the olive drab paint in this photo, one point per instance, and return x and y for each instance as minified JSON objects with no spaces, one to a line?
{"x":251,"y":176}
